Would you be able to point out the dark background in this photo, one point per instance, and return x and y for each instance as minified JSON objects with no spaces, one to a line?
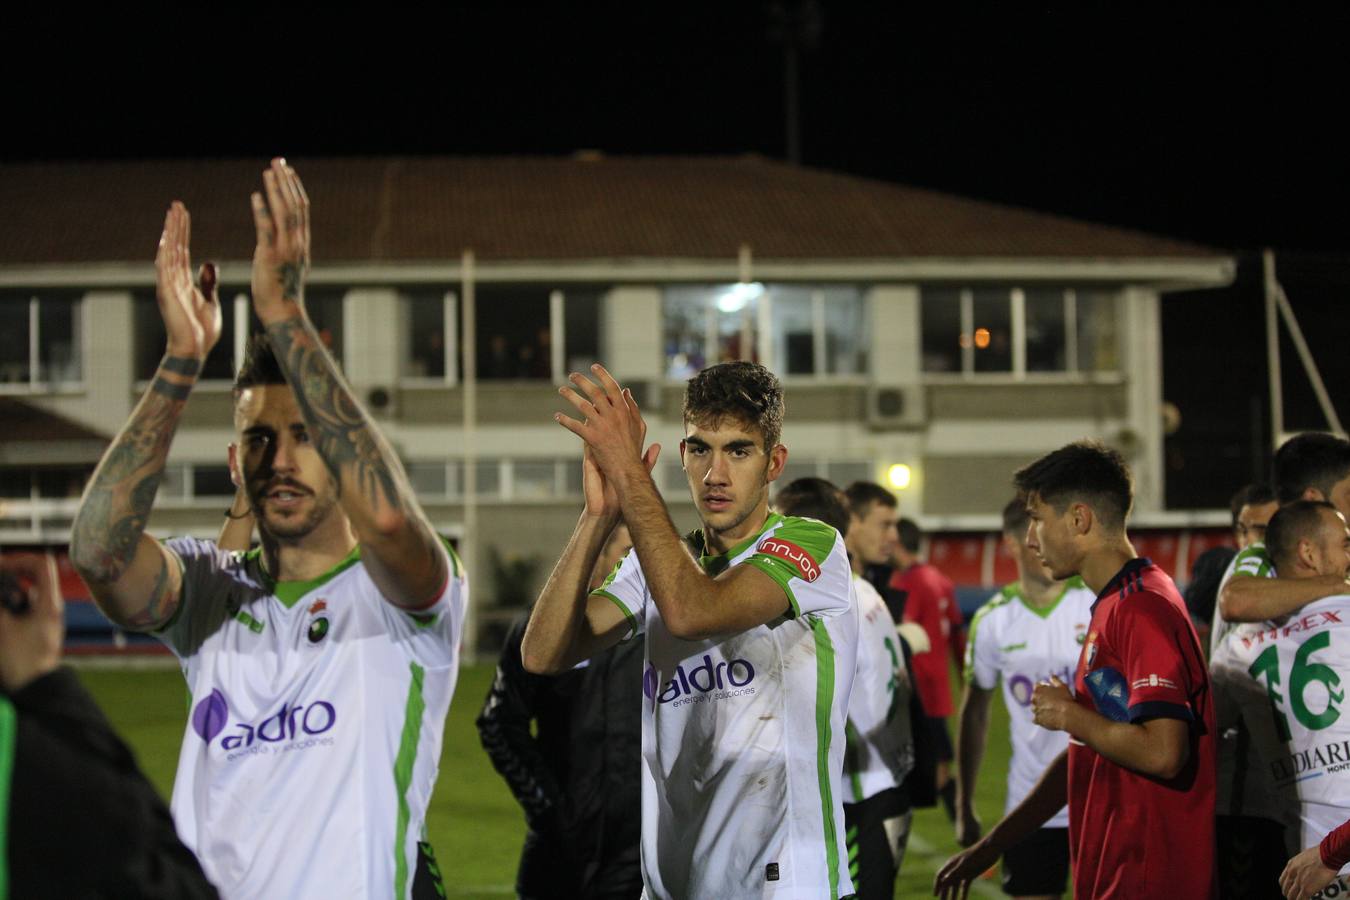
{"x":1221,"y":127}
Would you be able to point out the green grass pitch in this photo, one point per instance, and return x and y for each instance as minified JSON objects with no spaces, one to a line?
{"x":474,"y":824}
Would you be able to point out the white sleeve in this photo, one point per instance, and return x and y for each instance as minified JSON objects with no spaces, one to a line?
{"x":432,"y":635}
{"x":982,"y":663}
{"x":626,"y":588}
{"x":808,"y":561}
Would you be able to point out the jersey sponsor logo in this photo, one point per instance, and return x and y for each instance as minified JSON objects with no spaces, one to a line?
{"x":1311,"y":762}
{"x":295,"y":727}
{"x":1011,"y":647}
{"x":708,"y":680}
{"x":1021,"y":685}
{"x":789,"y":551}
{"x":1307,"y":623}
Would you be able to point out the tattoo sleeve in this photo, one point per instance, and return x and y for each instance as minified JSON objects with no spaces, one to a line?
{"x":117,"y":502}
{"x":350,"y":445}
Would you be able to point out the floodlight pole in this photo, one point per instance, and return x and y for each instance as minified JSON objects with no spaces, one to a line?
{"x":469,"y":484}
{"x":1273,"y":348}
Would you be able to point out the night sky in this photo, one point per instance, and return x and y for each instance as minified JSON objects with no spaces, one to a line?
{"x":1219,"y":128}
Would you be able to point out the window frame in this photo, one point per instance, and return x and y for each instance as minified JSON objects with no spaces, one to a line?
{"x":33,"y":384}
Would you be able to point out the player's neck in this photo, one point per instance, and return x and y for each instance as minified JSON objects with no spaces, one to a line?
{"x":310,"y":556}
{"x":1104,"y":562}
{"x":718,"y":542}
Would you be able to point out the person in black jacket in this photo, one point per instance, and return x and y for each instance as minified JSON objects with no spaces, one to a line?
{"x":81,"y":819}
{"x":578,"y":777}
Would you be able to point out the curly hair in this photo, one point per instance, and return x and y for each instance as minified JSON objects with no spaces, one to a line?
{"x":744,"y":391}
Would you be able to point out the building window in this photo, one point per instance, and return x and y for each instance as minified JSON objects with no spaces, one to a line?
{"x":41,"y":340}
{"x":324,"y":306}
{"x":150,"y":338}
{"x":430,"y":320}
{"x":1016,"y":331}
{"x":794,"y":329}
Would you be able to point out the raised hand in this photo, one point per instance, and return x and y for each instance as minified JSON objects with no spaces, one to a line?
{"x":191,"y":314}
{"x":281,"y":257}
{"x":614,"y":432}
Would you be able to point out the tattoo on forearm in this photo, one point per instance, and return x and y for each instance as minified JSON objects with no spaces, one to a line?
{"x":156,"y":610}
{"x":170,"y":389}
{"x":181,"y":365}
{"x":347,"y":442}
{"x":117,"y":504}
{"x":292,"y":280}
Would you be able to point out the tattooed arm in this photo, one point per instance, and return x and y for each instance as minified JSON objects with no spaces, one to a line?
{"x":399,"y":547}
{"x":131,"y":576}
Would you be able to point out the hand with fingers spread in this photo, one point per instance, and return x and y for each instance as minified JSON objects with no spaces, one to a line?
{"x":281,"y":257}
{"x":954,"y":878}
{"x":1305,"y":875}
{"x":191,"y":314}
{"x":1051,"y":704}
{"x":614,"y":432}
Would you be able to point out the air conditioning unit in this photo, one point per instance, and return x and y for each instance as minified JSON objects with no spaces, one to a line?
{"x":896,"y":407}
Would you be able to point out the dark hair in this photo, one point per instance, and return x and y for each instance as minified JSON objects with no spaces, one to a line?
{"x":1312,"y":460}
{"x":1292,"y":523}
{"x":815,"y":498}
{"x":260,"y":365}
{"x":863,"y":495}
{"x":1015,"y":517}
{"x":744,"y":391}
{"x":1086,"y":472}
{"x":1257,"y":494}
{"x":910,"y":534}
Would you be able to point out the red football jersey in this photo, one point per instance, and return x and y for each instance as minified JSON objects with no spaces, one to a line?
{"x":931,"y":602}
{"x":1131,"y":835}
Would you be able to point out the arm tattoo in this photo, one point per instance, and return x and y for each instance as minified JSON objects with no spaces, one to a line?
{"x":181,"y":365}
{"x":292,"y":280}
{"x":348,"y":443}
{"x":154,"y":612}
{"x":170,"y":389}
{"x":117,"y":503}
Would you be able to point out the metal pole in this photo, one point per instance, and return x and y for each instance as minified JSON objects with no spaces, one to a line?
{"x":1273,"y":350}
{"x":1309,"y":364}
{"x":469,"y":488}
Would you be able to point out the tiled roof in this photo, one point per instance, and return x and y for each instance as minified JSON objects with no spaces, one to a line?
{"x":432,"y":208}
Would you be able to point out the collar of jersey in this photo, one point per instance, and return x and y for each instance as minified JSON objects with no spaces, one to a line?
{"x":1015,"y":591}
{"x":1130,"y":569}
{"x":288,"y":593}
{"x":714,"y":565}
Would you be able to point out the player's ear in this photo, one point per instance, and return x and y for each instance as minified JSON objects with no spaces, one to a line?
{"x":681,"y":453}
{"x":1312,"y":493}
{"x":1082,"y":517}
{"x":1308,"y":553}
{"x":777,"y":462}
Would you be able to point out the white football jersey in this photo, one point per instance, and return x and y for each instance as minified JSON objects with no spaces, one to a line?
{"x":743,"y":734}
{"x":880,"y":749}
{"x":314,"y":736}
{"x":1019,"y":645}
{"x":1297,"y":665}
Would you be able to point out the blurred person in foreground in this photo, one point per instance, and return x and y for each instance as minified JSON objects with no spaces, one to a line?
{"x":577,"y":774}
{"x":1138,"y":774}
{"x":879,"y":751}
{"x":320,"y":665}
{"x":930,"y":602}
{"x":1030,"y":630}
{"x":77,"y":816}
{"x":1293,"y":696}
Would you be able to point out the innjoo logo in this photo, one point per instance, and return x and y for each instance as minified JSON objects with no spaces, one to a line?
{"x":793,"y":554}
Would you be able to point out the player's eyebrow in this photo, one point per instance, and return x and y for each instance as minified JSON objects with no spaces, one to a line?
{"x":741,"y":444}
{"x":696,"y":442}
{"x":259,"y":429}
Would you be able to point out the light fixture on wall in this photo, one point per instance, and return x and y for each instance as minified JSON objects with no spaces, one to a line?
{"x":899,"y":476}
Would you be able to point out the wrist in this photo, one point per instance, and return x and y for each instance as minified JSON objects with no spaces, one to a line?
{"x":283,"y":310}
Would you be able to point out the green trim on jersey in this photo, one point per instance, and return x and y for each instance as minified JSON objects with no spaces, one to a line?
{"x":403,"y":771}
{"x":715,"y":565}
{"x":456,"y":566}
{"x":290,"y":592}
{"x":1045,"y":611}
{"x":627,"y":613}
{"x":1256,"y":560}
{"x":999,"y":600}
{"x":824,"y":705}
{"x":8,"y":734}
{"x":852,"y":747}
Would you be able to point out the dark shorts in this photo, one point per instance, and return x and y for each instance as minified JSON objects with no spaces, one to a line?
{"x":876,"y":832}
{"x":1250,"y":856}
{"x":1039,"y":865}
{"x":942,"y":739}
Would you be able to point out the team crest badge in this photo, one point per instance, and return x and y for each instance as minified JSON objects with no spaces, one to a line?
{"x":318,"y":621}
{"x":1090,"y":651}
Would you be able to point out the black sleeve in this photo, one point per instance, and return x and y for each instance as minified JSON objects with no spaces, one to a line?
{"x":504,"y":730}
{"x":83,"y":819}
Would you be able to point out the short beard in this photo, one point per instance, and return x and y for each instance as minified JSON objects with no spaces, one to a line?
{"x":292,"y":531}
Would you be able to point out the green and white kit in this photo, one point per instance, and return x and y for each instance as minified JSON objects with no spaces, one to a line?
{"x":743,"y":734}
{"x":1020,"y":646}
{"x":880,"y":749}
{"x":314,"y":732}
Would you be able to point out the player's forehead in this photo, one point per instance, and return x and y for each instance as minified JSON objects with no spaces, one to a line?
{"x":722,"y":431}
{"x":1038,"y":506}
{"x":266,"y":405}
